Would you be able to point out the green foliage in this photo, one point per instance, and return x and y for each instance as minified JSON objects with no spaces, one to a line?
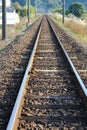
{"x":32,"y":10}
{"x":17,"y":6}
{"x":77,"y":9}
{"x":59,"y":10}
{"x":23,"y":10}
{"x":85,"y":14}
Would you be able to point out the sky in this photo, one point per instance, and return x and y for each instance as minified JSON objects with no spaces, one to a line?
{"x":8,"y":2}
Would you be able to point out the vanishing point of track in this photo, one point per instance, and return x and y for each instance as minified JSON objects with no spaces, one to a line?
{"x":49,"y":97}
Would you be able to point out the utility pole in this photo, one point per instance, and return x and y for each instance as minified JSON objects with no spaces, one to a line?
{"x":26,"y":8}
{"x":3,"y":19}
{"x":63,"y":12}
{"x":28,"y":12}
{"x":35,"y":8}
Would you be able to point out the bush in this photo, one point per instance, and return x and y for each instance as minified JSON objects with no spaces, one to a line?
{"x":23,"y":10}
{"x":32,"y":10}
{"x":59,"y":10}
{"x":77,"y":9}
{"x":17,"y":6}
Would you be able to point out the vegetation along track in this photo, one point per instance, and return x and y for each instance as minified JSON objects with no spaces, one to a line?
{"x":50,"y":98}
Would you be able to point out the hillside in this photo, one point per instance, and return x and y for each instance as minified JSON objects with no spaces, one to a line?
{"x":50,"y":3}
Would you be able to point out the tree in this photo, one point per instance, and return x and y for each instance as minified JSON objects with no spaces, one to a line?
{"x":17,"y":6}
{"x":76,"y":8}
{"x":23,"y":11}
{"x":58,"y":9}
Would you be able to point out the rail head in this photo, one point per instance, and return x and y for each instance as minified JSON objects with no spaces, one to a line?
{"x":14,"y":116}
{"x":83,"y":87}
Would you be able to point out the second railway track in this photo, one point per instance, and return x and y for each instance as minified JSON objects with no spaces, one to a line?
{"x":51,"y":100}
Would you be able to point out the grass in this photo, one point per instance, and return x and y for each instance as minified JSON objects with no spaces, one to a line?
{"x":77,"y":29}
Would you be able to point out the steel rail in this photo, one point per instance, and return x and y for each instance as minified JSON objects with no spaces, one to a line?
{"x":15,"y":114}
{"x":83,"y":87}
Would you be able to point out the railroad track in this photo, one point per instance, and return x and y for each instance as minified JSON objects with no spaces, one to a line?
{"x":77,"y":53}
{"x":49,"y":98}
{"x":13,"y":63}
